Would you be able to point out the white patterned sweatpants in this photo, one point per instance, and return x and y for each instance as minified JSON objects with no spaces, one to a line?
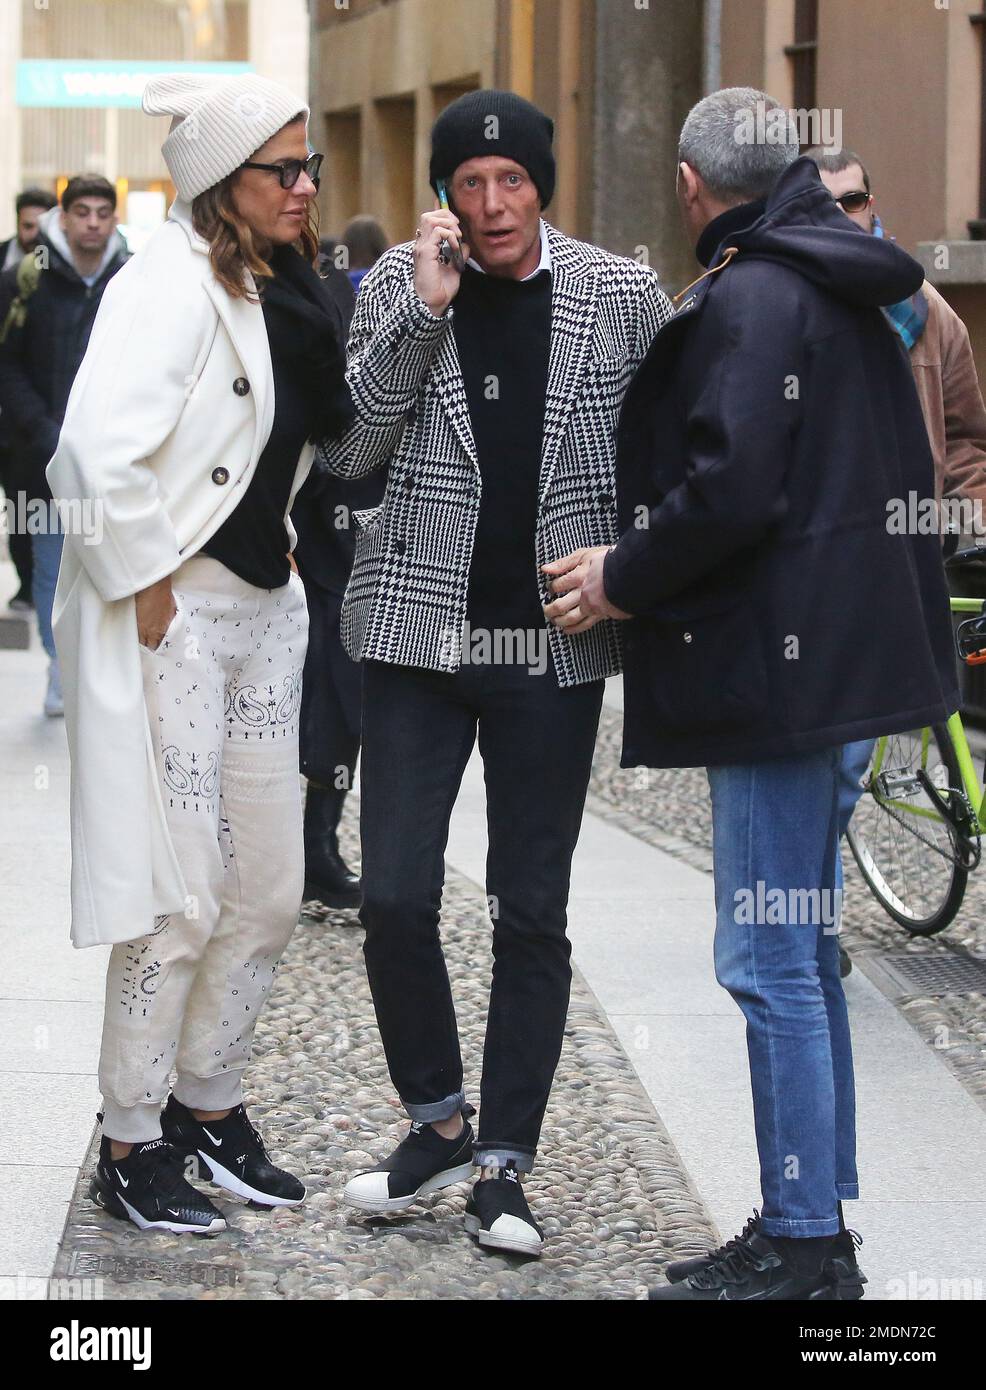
{"x":223,"y":691}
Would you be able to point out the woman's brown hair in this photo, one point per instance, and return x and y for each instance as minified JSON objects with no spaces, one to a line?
{"x":233,"y":247}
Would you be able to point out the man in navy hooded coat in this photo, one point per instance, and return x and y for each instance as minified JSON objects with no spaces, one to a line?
{"x":763,"y":443}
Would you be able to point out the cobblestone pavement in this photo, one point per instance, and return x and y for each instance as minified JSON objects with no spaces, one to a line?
{"x":608,"y":1188}
{"x":670,"y":809}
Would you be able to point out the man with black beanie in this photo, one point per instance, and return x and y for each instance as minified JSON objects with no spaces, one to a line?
{"x":488,"y":361}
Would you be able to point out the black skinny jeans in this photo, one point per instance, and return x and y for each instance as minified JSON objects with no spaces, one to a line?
{"x":536,"y":741}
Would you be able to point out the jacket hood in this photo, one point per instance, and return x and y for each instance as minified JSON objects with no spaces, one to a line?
{"x":801,"y":226}
{"x":51,"y":231}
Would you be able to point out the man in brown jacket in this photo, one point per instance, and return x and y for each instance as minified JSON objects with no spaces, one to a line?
{"x":938,"y":344}
{"x":948,"y":388}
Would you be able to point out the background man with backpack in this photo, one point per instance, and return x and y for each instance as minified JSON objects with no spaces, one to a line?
{"x":51,"y":297}
{"x":29,"y":209}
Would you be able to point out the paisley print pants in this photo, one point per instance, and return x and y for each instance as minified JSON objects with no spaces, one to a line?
{"x":223,"y":693}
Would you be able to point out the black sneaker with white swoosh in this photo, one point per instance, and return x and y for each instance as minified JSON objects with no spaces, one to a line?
{"x":231,"y":1154}
{"x":149,"y":1188}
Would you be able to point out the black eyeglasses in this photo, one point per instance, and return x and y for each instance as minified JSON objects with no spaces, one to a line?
{"x":854,"y":202}
{"x":289,"y":171}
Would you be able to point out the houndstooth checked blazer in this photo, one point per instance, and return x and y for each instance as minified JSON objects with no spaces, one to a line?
{"x":406,"y":598}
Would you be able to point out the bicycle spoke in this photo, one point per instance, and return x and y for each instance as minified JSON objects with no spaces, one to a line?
{"x":907,"y":850}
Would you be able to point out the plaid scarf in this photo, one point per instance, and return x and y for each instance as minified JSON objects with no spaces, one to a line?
{"x":909,"y":317}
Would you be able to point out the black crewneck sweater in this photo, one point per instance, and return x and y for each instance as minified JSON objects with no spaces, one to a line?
{"x":502,"y":333}
{"x":311,"y":400}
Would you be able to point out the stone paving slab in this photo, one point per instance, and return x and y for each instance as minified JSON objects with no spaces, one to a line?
{"x":15,"y":633}
{"x":609,"y":1187}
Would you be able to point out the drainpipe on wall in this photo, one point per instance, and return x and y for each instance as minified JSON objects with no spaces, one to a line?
{"x":711,"y":46}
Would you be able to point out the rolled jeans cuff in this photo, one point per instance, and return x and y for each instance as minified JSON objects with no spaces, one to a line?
{"x":222,"y":1092}
{"x":131,"y":1124}
{"x":437,"y":1110}
{"x":795,"y":1229}
{"x":485,"y":1154}
{"x":847,"y":1191}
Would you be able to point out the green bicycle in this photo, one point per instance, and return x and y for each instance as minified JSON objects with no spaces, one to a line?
{"x":916,"y":830}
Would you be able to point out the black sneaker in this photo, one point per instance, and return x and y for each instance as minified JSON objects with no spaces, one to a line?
{"x":842,"y":1260}
{"x":149,"y":1188}
{"x":681,"y":1269}
{"x":231,"y":1154}
{"x":497,"y":1214}
{"x":756,"y":1270}
{"x":22,"y":601}
{"x":849,"y":1276}
{"x":423,"y":1162}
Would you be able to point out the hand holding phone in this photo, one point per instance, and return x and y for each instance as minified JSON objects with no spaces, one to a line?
{"x":449,"y":254}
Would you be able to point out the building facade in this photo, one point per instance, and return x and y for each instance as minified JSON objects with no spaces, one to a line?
{"x":72,"y":73}
{"x":906,"y":78}
{"x":902,"y":80}
{"x":616,"y":77}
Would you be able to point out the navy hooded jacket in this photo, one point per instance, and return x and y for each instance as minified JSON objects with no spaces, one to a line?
{"x":763,"y":436}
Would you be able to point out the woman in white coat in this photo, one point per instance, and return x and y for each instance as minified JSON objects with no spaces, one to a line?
{"x":181,"y":626}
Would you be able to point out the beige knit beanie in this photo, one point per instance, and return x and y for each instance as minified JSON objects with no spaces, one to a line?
{"x":218,"y":123}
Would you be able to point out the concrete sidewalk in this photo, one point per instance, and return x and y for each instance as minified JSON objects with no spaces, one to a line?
{"x":51,"y":996}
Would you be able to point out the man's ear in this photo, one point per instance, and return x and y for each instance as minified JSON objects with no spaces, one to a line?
{"x":689,"y":183}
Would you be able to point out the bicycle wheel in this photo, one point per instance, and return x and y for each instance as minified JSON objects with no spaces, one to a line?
{"x":910,"y":856}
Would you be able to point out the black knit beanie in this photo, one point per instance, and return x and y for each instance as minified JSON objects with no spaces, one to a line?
{"x":494,"y":123}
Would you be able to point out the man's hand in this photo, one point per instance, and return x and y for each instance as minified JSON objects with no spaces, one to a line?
{"x":578,"y":578}
{"x":155,"y":609}
{"x":436,"y":283}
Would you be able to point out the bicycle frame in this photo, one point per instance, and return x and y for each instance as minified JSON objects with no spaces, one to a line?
{"x":930,"y":786}
{"x":971,"y":785}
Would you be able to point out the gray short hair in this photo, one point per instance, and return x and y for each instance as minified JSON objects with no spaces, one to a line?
{"x":737,"y":147}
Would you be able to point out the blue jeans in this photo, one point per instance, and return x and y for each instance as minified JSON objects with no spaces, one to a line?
{"x":854,"y":762}
{"x":775,"y":842}
{"x":47,"y":556}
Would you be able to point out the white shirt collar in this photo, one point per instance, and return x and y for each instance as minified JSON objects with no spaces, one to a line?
{"x":543,"y":264}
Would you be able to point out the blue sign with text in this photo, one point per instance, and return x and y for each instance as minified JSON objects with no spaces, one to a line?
{"x":64,"y":82}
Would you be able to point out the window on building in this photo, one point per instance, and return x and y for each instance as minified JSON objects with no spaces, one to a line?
{"x":803,"y":53}
{"x":341,"y":194}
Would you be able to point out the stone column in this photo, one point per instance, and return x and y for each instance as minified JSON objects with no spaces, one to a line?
{"x":278,"y":42}
{"x":648,"y":74}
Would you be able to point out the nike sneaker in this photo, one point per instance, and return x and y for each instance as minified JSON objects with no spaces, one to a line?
{"x":231,"y":1153}
{"x":149,"y":1188}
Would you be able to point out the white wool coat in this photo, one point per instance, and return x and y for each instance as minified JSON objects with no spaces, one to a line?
{"x":167,"y":418}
